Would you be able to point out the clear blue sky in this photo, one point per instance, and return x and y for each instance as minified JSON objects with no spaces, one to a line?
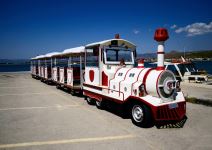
{"x":31,"y":27}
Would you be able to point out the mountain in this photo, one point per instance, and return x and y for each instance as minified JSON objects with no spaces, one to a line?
{"x":190,"y":54}
{"x":178,"y":54}
{"x":147,"y":55}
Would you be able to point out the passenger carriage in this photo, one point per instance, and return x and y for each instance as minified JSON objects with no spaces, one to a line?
{"x":55,"y":68}
{"x":42,"y":66}
{"x":34,"y":67}
{"x":38,"y":67}
{"x":48,"y":65}
{"x":70,"y":65}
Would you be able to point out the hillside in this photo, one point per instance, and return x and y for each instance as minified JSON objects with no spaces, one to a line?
{"x":177,"y":54}
{"x":191,"y":54}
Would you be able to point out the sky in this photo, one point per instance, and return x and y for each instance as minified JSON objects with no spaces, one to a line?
{"x":33,"y":27}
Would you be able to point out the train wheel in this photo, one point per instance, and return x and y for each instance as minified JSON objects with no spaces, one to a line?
{"x":141,"y":115}
{"x":99,"y":104}
{"x":90,"y":101}
{"x":72,"y":92}
{"x":58,"y":86}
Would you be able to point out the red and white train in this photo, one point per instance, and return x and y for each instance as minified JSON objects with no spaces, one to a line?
{"x":106,"y":71}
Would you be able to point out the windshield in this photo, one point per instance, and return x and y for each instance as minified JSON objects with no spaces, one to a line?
{"x":116,"y":55}
{"x":186,"y":68}
{"x":190,"y":67}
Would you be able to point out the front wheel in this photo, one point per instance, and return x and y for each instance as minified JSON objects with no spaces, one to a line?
{"x":72,"y":92}
{"x":58,"y":86}
{"x":99,"y":104}
{"x":89,"y":100}
{"x":141,"y":115}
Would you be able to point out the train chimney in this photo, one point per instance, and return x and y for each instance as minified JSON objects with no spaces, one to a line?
{"x":141,"y":63}
{"x":161,"y":35}
{"x":117,"y":36}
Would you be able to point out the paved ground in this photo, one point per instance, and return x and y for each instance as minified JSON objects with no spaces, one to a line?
{"x":197,"y":90}
{"x":37,"y":116}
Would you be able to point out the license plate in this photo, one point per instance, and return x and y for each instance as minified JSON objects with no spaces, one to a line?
{"x":173,"y":105}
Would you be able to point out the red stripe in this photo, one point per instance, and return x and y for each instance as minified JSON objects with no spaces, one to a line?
{"x":96,"y":95}
{"x":140,"y":67}
{"x":160,"y":68}
{"x":92,"y":86}
{"x":160,"y":52}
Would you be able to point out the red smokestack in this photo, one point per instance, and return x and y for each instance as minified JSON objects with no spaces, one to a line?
{"x":141,"y":63}
{"x":161,"y":35}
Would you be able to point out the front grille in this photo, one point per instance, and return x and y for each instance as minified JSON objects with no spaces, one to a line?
{"x":165,"y":113}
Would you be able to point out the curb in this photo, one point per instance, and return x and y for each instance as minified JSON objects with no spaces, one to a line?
{"x":206,"y":102}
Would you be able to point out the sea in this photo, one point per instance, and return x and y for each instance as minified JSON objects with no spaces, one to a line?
{"x":14,"y":67}
{"x":203,"y":65}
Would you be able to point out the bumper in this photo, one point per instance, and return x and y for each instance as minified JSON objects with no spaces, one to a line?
{"x":170,"y":112}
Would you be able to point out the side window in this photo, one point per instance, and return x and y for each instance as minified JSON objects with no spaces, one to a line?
{"x":54,"y":62}
{"x":75,"y":62}
{"x":62,"y":62}
{"x":173,"y":69}
{"x":182,"y":68}
{"x":92,"y":57}
{"x":111,"y":55}
{"x":48,"y":62}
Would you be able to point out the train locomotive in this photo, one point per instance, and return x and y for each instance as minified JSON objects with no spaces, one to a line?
{"x":150,"y":95}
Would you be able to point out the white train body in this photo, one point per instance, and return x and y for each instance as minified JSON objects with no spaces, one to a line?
{"x":70,"y":77}
{"x":105,"y":71}
{"x":46,"y":72}
{"x":55,"y":74}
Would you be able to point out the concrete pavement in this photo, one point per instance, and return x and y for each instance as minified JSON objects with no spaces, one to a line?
{"x":37,"y":116}
{"x":197,"y":90}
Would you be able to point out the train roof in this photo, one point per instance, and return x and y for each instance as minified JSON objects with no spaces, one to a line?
{"x":38,"y":57}
{"x":108,"y":42}
{"x":74,"y":51}
{"x":32,"y":58}
{"x":48,"y":55}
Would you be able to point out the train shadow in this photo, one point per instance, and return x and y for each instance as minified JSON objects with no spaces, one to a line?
{"x":117,"y":109}
{"x":121,"y":111}
{"x":169,"y":125}
{"x":73,"y":93}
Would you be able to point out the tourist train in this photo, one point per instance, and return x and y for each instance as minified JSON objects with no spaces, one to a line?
{"x":105,"y":71}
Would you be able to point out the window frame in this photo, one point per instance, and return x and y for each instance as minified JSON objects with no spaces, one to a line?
{"x":118,"y":62}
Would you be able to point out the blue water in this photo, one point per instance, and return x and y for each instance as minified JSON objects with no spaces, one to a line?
{"x":206,"y":65}
{"x":14,"y":68}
